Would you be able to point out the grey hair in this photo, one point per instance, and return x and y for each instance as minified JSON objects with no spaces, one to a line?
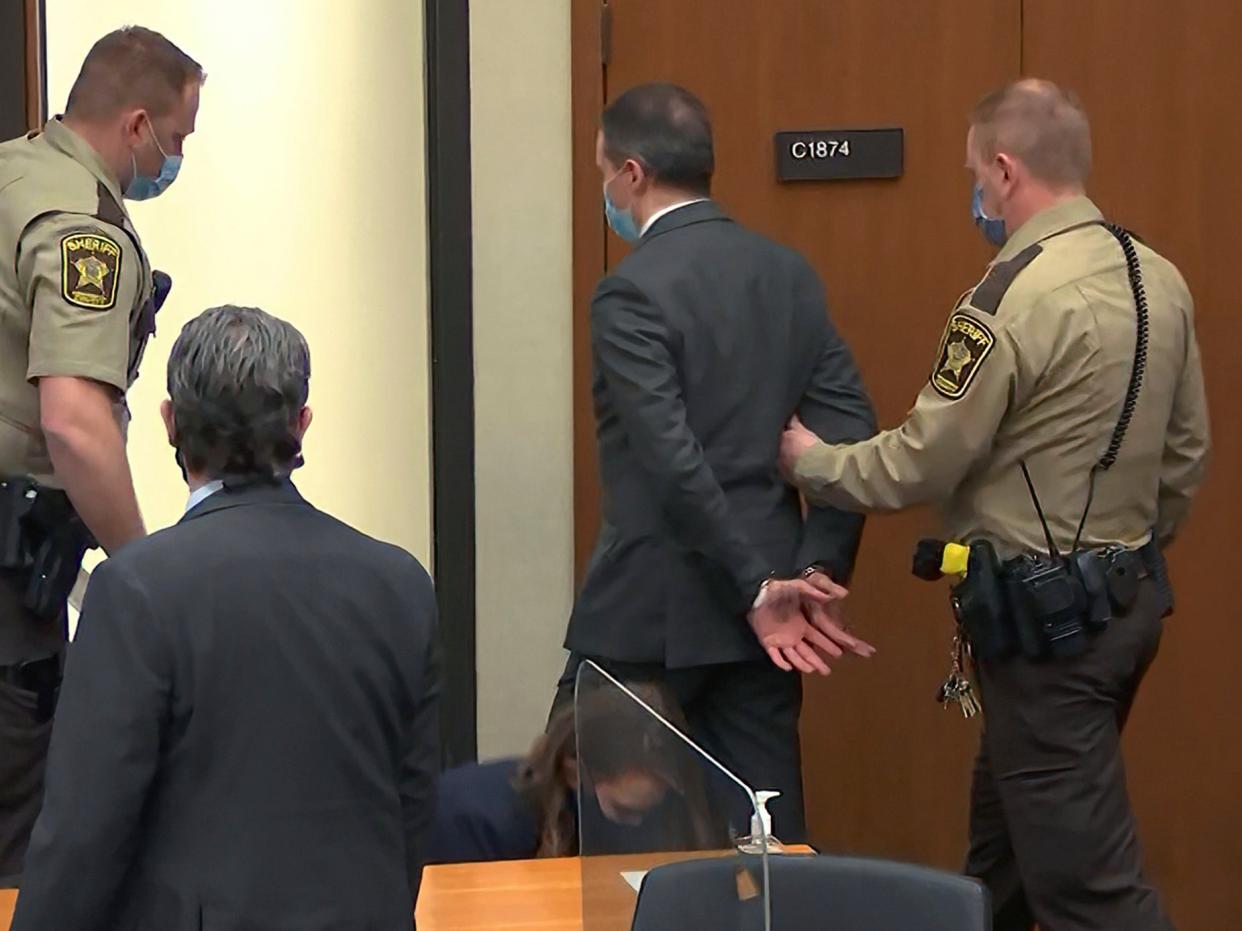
{"x":238,"y":379}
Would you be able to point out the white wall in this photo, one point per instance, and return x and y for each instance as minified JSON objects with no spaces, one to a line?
{"x":302,"y":193}
{"x":520,"y":128}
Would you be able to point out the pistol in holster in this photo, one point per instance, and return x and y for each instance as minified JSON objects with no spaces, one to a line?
{"x":980,"y":605}
{"x":42,"y":541}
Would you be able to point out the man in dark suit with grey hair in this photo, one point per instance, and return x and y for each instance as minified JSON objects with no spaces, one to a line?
{"x":247,"y":735}
{"x":706,"y":339}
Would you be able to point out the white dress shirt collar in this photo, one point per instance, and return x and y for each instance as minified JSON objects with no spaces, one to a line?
{"x":651,"y":220}
{"x":201,"y":494}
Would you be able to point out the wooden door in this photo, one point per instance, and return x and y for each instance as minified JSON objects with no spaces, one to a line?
{"x":886,"y":768}
{"x":887,"y":771}
{"x":1161,"y":83}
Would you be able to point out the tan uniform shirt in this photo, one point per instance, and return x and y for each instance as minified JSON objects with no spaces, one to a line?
{"x":75,"y":300}
{"x":1034,"y":366}
{"x":75,"y":284}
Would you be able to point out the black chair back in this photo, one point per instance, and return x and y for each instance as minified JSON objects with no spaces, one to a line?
{"x":811,"y":893}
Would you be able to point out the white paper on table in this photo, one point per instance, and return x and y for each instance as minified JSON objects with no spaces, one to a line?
{"x":634,"y":878}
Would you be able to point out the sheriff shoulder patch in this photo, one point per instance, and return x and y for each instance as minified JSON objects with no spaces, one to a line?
{"x":90,"y":270}
{"x":965,"y":346}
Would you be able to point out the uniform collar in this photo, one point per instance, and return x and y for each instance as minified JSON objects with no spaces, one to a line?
{"x":66,"y":141}
{"x":1047,"y":223}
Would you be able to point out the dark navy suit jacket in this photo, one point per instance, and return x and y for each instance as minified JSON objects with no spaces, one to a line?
{"x":247,"y":732}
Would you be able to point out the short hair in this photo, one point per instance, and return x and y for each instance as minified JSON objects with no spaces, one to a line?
{"x":667,"y":130}
{"x":238,"y":379}
{"x":132,"y":67}
{"x":1041,"y":124}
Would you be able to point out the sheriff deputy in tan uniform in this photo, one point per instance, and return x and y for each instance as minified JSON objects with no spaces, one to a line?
{"x":77,"y":305}
{"x":1035,"y":367}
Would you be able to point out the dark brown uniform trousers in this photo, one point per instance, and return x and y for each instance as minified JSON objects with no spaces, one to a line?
{"x":1051,"y":827}
{"x":24,"y":739}
{"x":25,"y":729}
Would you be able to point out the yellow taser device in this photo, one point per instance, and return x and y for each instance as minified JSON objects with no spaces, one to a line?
{"x":955,"y":559}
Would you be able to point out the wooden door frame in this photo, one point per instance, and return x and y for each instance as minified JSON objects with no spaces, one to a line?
{"x":35,"y":15}
{"x":588,"y":28}
{"x":23,"y":88}
{"x":450,"y":312}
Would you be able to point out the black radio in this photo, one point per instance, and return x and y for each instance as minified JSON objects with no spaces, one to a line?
{"x":1049,"y":605}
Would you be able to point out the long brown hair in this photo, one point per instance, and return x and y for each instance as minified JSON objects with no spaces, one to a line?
{"x":542,"y":783}
{"x":618,"y":736}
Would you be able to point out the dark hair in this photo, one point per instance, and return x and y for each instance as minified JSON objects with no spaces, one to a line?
{"x":238,"y":378}
{"x":132,"y":67}
{"x":667,"y":130}
{"x":617,"y":736}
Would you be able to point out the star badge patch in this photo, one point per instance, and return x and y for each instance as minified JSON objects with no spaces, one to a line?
{"x":90,"y":270}
{"x":966,"y":344}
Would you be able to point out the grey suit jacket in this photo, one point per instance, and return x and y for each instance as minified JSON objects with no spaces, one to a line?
{"x":706,"y":339}
{"x":247,"y":735}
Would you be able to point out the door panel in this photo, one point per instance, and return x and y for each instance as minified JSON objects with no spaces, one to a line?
{"x":1161,"y":85}
{"x":886,"y":767}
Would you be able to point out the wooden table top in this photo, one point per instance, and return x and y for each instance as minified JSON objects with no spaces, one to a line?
{"x":511,"y":894}
{"x":516,"y":895}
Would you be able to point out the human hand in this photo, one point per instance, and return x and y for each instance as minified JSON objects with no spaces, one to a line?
{"x":795,"y":441}
{"x":783,"y":630}
{"x":829,"y":617}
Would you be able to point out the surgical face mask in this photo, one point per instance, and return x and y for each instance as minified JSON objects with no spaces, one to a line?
{"x":141,"y":188}
{"x":621,"y":221}
{"x":993,"y":228}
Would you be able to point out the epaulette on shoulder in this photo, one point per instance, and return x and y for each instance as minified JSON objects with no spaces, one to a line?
{"x":109,"y":210}
{"x":991,"y":291}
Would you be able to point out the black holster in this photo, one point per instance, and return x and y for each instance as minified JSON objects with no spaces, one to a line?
{"x":43,"y":540}
{"x":17,"y":497}
{"x":980,"y":605}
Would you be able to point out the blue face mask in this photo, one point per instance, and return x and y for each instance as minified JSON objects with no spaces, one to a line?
{"x":141,"y":188}
{"x":621,"y":221}
{"x":993,"y":229}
